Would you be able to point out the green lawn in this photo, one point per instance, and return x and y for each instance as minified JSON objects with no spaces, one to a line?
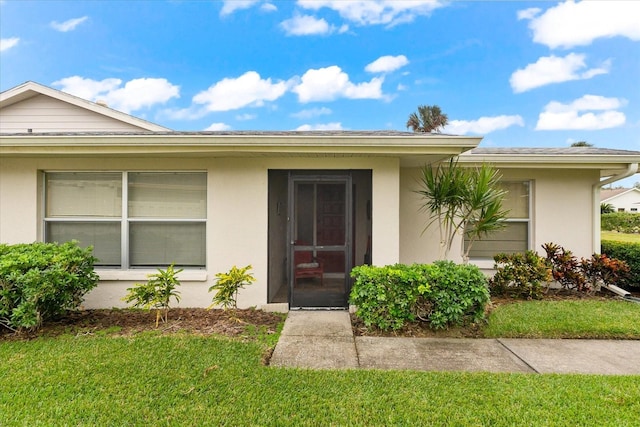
{"x":614,"y":319}
{"x":619,"y":237}
{"x":187,"y":380}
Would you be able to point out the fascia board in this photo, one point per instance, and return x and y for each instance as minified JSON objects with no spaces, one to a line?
{"x":163,"y":143}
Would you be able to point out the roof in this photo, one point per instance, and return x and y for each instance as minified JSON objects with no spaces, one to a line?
{"x":30,"y":89}
{"x":609,"y":161}
{"x":563,"y":151}
{"x":607,"y":194}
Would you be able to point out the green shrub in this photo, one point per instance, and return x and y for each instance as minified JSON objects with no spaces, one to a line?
{"x":623,"y":222}
{"x":455,"y":294}
{"x":442,"y":294}
{"x":42,"y":281}
{"x":385,"y":296}
{"x":629,"y":253}
{"x":156,"y":293}
{"x":520,"y":275}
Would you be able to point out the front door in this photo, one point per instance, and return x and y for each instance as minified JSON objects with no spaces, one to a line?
{"x":320,"y":240}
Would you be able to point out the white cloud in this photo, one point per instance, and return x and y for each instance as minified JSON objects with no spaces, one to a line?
{"x":247,"y":90}
{"x":268,"y":7}
{"x":305,"y":25}
{"x":325,"y":126}
{"x":214,"y":127}
{"x":6,"y":44}
{"x":559,"y":116}
{"x":386,"y":64}
{"x":376,"y":12}
{"x":134,"y":95}
{"x":231,"y":6}
{"x":327,"y":84}
{"x":311,"y":113}
{"x":553,"y":69}
{"x":244,"y":117}
{"x":483,"y":125}
{"x":578,"y":24}
{"x":401,"y":87}
{"x":87,"y":88}
{"x":69,"y":25}
{"x":530,"y":13}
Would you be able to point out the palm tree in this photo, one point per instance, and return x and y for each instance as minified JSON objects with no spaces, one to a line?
{"x":606,"y":208}
{"x":581,"y":144}
{"x":464,"y":202}
{"x":427,"y":119}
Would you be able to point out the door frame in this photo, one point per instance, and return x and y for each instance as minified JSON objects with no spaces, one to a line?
{"x":319,"y":177}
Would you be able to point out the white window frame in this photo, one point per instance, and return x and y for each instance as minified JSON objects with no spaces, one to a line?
{"x":124,"y":218}
{"x":488,"y":262}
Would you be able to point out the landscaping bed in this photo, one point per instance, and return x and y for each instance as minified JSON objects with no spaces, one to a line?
{"x":421,"y":329}
{"x":200,"y":321}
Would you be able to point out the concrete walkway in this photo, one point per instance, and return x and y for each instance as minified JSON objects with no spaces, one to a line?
{"x":324,"y":340}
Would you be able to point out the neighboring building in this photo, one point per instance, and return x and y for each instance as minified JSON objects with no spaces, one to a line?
{"x":145,"y":197}
{"x":622,"y":199}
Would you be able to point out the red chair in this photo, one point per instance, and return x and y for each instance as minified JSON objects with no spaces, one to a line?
{"x":305,"y":266}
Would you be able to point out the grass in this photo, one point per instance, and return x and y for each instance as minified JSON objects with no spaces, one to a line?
{"x":612,"y":319}
{"x":190,"y":380}
{"x":185,"y":380}
{"x":620,"y":237}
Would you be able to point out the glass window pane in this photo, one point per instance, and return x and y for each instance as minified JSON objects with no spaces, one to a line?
{"x":514,"y":238}
{"x":168,"y":195}
{"x":516,"y":199}
{"x":162,"y":244}
{"x":83,"y":194}
{"x":304,"y":213}
{"x":103,"y":236}
{"x":331,"y":214}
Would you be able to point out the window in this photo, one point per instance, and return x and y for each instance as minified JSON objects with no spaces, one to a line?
{"x":515,"y":236}
{"x":634,"y":209}
{"x":620,"y":209}
{"x":132,"y":219}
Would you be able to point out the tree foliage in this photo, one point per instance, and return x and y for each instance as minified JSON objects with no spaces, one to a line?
{"x":427,"y":119}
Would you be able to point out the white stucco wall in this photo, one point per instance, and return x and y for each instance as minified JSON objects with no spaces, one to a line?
{"x":237,"y":217}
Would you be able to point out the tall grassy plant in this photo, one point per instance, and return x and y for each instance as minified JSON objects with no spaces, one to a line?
{"x":463,"y":201}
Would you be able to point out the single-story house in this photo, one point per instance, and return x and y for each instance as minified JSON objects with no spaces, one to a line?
{"x":302,"y":208}
{"x":622,"y":199}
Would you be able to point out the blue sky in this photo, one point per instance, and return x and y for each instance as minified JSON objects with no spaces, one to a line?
{"x":523,"y":74}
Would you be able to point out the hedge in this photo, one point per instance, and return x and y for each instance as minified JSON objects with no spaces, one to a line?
{"x":442,"y":294}
{"x":623,"y":222}
{"x":42,"y":281}
{"x":628,"y":252}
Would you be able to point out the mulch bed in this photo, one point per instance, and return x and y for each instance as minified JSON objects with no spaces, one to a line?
{"x":200,"y":321}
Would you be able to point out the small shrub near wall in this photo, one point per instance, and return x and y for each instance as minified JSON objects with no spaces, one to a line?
{"x":442,"y":294}
{"x":628,"y":252}
{"x":42,"y":281}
